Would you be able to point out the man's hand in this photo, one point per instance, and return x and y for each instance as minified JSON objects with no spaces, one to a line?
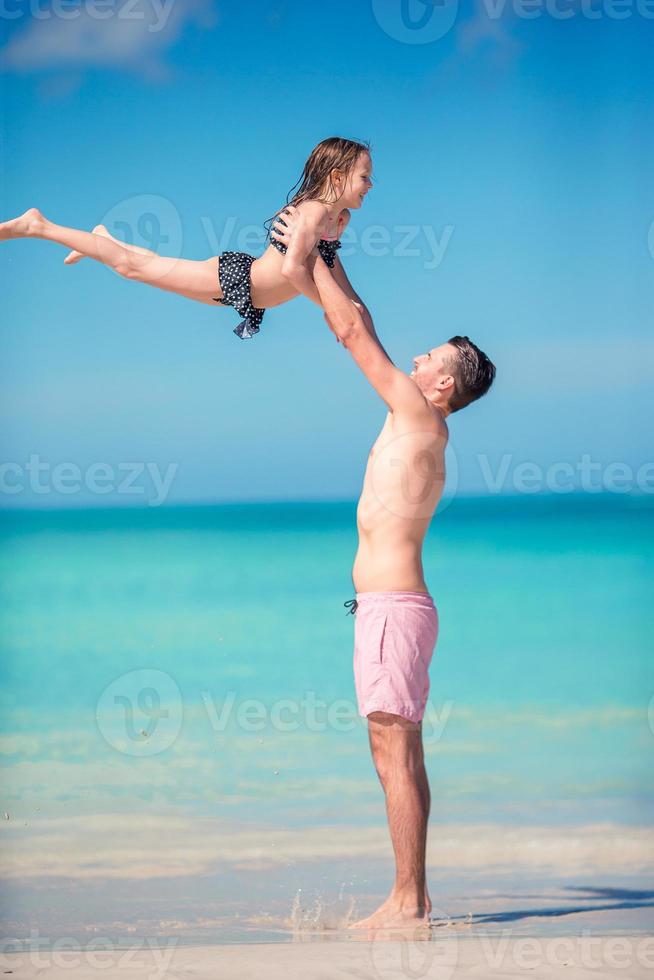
{"x":284,"y":232}
{"x":300,"y":235}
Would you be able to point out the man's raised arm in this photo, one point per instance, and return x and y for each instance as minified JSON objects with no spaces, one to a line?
{"x":342,"y":313}
{"x":398,"y":390}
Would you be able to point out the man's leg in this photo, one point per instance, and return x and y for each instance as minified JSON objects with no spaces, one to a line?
{"x":397,"y":752}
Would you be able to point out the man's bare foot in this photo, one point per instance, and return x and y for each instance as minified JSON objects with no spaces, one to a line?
{"x":394,"y":914}
{"x":26,"y":225}
{"x":74,"y":256}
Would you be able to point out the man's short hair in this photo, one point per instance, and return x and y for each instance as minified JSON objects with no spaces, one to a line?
{"x":472,"y":370}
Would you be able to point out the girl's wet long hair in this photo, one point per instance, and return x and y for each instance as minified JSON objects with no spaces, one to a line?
{"x":316,"y":182}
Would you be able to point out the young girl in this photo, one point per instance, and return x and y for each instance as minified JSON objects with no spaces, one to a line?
{"x":335,"y":179}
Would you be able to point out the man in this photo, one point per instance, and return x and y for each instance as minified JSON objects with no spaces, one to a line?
{"x":396,"y":622}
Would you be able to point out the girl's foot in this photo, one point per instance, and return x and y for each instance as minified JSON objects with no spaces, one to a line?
{"x":74,"y":257}
{"x":27,"y":225}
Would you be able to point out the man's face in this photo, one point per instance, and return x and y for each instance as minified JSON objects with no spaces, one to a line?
{"x":430,"y":371}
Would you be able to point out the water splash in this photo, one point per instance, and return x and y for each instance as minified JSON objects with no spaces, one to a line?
{"x":320,"y":916}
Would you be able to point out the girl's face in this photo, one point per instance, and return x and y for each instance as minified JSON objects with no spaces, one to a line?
{"x":357,"y":183}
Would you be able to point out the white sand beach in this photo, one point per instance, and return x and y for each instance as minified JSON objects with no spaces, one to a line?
{"x":394,"y":957}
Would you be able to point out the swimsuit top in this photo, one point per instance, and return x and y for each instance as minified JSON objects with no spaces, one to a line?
{"x":327,"y":247}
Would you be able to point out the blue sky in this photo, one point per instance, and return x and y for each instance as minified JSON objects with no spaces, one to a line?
{"x":513,"y":202}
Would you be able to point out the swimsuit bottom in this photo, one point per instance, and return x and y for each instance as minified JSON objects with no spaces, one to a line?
{"x":234,"y":275}
{"x":394,"y":638}
{"x":236,"y":284}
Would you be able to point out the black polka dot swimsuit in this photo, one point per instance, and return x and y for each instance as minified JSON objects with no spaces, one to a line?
{"x":236,"y":283}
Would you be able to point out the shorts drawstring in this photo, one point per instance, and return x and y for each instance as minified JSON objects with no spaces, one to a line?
{"x":351,"y":605}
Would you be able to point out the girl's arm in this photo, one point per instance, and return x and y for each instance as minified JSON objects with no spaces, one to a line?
{"x":309,"y":219}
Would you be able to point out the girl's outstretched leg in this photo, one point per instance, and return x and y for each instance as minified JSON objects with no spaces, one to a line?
{"x":73,"y":257}
{"x":195,"y":280}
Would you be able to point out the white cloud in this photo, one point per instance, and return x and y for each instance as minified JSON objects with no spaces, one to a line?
{"x":135,"y":37}
{"x":486,"y":27}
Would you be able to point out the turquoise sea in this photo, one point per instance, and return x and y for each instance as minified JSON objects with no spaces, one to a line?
{"x":182,"y":755}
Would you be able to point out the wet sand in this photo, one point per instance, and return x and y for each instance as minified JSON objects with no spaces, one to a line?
{"x":394,"y":956}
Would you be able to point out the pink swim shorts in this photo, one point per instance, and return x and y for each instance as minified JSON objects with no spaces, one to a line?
{"x":394,"y":638}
